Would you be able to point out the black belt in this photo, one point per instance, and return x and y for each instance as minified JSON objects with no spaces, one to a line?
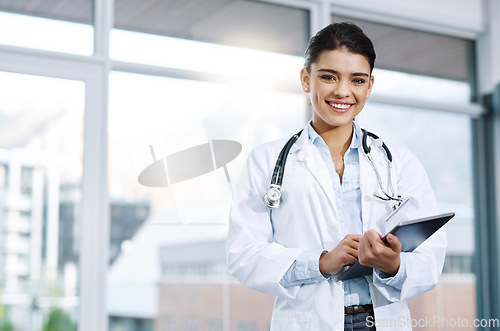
{"x":356,"y":309}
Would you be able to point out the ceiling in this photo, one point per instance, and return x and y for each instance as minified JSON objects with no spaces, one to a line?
{"x":257,"y":25}
{"x":241,"y":23}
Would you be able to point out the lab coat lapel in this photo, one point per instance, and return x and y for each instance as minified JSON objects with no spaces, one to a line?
{"x":370,"y":205}
{"x":308,"y":153}
{"x":366,"y":175}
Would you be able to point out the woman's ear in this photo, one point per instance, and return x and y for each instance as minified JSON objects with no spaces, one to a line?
{"x":372,"y":80}
{"x":305,"y":80}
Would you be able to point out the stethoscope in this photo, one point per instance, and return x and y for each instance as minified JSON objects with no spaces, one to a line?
{"x":272,"y":199}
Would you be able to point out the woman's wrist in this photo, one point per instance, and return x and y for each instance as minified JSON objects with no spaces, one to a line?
{"x":393,"y":269}
{"x":323,"y":263}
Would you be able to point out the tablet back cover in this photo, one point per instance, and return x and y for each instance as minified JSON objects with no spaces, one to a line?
{"x":411,"y":234}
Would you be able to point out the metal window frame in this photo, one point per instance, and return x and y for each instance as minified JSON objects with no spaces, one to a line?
{"x":486,"y":148}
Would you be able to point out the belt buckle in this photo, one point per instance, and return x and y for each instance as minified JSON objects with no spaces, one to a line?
{"x":353,"y":310}
{"x":357,"y":309}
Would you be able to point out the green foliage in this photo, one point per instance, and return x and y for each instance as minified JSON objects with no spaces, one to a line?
{"x":58,"y":320}
{"x":6,"y":325}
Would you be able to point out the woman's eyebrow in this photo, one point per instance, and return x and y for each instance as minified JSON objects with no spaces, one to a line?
{"x":364,"y":74}
{"x":329,"y":70}
{"x":334,"y":72}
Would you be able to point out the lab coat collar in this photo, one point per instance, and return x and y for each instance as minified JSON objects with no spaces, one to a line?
{"x":357,"y":137}
{"x":301,"y":141}
{"x":309,"y":134}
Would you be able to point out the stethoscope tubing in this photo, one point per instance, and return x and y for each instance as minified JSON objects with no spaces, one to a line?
{"x":279,"y":168}
{"x":272,"y":198}
{"x":388,"y":154}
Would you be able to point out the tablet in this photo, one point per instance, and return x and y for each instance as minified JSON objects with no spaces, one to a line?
{"x":410,"y":233}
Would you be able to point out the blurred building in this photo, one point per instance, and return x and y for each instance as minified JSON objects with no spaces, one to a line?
{"x":126,"y":218}
{"x":176,"y":279}
{"x":29,"y":217}
{"x":39,"y":234}
{"x":197,"y":293}
{"x":29,"y":231}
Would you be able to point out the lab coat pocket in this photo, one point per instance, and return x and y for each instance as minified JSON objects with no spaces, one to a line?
{"x":290,"y":321}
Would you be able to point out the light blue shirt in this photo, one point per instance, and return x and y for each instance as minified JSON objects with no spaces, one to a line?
{"x":305,"y":270}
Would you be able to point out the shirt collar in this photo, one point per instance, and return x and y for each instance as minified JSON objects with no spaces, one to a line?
{"x":314,"y":137}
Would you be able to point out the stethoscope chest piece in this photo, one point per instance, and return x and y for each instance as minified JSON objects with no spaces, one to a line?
{"x":272,"y":198}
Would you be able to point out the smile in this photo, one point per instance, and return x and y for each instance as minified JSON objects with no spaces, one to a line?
{"x":339,"y":107}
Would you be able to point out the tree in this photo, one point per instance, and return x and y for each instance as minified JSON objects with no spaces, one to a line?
{"x":58,"y":320}
{"x":6,"y":325}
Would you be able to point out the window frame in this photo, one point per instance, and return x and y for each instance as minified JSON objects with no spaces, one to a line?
{"x":94,"y":232}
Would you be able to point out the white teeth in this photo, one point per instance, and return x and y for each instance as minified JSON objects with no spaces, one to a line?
{"x":340,"y":105}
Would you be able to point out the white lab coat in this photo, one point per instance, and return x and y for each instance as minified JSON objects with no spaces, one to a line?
{"x":261,"y":246}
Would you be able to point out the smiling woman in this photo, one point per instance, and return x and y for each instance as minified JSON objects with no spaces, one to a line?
{"x":341,"y":82}
{"x":297,"y":251}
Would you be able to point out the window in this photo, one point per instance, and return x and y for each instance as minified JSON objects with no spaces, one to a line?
{"x":151,"y":118}
{"x":53,"y":31}
{"x":41,"y":157}
{"x":117,"y":323}
{"x":243,"y":91}
{"x":244,"y":24}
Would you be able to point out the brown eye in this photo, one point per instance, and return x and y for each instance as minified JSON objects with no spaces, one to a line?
{"x":328,"y":77}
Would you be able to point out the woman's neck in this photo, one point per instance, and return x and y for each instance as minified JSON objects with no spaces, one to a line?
{"x":338,"y":139}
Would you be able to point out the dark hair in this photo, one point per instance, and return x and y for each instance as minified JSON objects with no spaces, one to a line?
{"x":338,"y":35}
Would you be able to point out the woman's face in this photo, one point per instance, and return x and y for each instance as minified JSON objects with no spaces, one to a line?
{"x":339,"y":83}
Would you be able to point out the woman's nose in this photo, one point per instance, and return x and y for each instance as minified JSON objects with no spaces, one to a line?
{"x":341,"y":90}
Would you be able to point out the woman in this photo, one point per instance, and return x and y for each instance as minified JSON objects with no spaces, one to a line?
{"x":329,"y":217}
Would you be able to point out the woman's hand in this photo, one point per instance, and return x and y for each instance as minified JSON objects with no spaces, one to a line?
{"x":373,"y":252}
{"x":346,"y":253}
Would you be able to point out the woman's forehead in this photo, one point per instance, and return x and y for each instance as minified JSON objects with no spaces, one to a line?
{"x":341,"y":60}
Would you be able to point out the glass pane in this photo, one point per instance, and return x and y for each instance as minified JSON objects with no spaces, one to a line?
{"x":171,"y":269}
{"x":442,"y":143}
{"x":46,"y":34}
{"x":249,"y":24}
{"x":40,"y":177}
{"x":242,"y":64}
{"x":404,"y":85}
